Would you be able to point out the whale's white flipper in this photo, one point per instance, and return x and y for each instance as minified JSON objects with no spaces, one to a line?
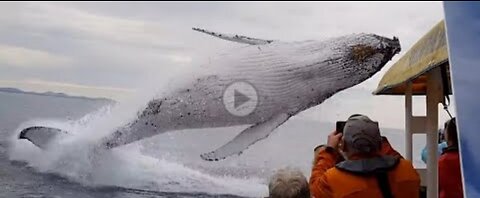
{"x":235,"y":38}
{"x":246,"y":138}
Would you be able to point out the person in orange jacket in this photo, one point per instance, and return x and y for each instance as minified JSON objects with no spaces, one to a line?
{"x":449,"y":173}
{"x":372,"y":167}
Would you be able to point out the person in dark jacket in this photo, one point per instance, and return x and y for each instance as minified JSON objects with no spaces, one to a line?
{"x":449,"y":172}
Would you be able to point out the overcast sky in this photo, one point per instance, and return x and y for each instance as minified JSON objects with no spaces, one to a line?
{"x":110,"y":48}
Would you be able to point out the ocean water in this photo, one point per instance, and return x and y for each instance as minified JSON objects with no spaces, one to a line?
{"x":166,"y":165}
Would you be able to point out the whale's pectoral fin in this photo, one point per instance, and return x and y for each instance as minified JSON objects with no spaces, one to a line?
{"x":235,"y":38}
{"x":246,"y":138}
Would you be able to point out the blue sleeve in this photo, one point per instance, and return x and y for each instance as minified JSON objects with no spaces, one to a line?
{"x":424,"y":154}
{"x":441,"y":146}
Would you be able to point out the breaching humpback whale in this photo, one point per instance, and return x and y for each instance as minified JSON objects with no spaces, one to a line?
{"x":287,"y":78}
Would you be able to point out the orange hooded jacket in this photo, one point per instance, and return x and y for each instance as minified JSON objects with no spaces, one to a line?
{"x":355,"y":178}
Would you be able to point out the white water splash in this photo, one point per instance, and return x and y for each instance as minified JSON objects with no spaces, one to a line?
{"x":75,"y":157}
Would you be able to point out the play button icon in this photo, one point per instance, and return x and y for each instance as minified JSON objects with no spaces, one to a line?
{"x":240,"y":98}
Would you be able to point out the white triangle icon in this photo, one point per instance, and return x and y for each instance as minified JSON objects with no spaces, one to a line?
{"x":239,"y":99}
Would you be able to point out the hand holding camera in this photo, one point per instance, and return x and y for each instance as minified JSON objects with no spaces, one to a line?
{"x":334,"y":139}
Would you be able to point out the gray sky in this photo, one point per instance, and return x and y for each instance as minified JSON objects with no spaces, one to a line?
{"x":110,"y":48}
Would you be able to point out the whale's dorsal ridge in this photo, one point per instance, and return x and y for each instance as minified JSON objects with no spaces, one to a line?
{"x":246,"y":138}
{"x":235,"y":38}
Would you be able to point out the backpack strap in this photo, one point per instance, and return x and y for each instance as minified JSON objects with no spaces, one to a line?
{"x":384,"y":184}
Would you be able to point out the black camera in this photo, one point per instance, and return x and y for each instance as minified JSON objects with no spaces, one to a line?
{"x":340,"y":126}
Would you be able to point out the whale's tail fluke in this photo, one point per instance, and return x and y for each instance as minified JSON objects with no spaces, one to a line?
{"x":41,"y":136}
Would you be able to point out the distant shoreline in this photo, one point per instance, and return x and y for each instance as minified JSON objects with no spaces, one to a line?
{"x":54,"y":94}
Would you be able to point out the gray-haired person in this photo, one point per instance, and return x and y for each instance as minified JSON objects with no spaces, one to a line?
{"x":288,"y":183}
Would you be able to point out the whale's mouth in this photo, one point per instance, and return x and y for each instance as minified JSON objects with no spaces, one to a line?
{"x":387,"y":47}
{"x":390,"y":47}
{"x":371,"y":58}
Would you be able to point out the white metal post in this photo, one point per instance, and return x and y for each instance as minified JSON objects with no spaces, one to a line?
{"x":434,"y":95}
{"x":408,"y":121}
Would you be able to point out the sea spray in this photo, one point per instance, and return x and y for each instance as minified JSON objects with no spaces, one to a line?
{"x":78,"y":157}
